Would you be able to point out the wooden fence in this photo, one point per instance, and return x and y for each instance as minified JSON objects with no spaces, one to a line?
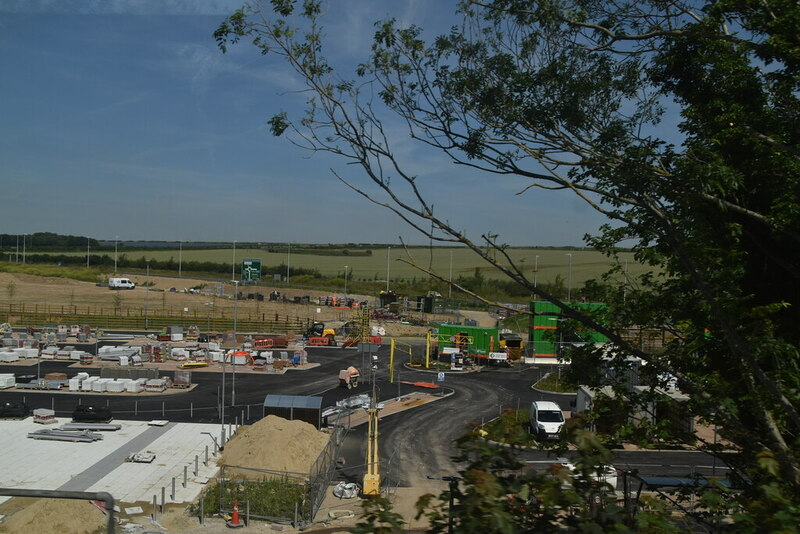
{"x":38,"y":315}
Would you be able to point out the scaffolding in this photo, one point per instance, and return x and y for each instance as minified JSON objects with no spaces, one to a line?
{"x":359,"y":331}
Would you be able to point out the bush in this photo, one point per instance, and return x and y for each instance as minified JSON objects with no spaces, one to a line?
{"x":274,"y":497}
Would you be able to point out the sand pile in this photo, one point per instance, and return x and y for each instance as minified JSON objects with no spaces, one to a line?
{"x":56,"y":516}
{"x":276,"y":444}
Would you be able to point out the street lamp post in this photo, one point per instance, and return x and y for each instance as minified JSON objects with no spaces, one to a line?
{"x":233,"y":262}
{"x":222,"y":405}
{"x":450,"y":281}
{"x":345,"y":284}
{"x":388,"y":251}
{"x":560,"y":350}
{"x":180,"y":259}
{"x":535,"y":270}
{"x":233,"y":357}
{"x":116,"y":240}
{"x":209,"y":305}
{"x":569,"y":278}
{"x":146,"y":295}
{"x":625,"y":284}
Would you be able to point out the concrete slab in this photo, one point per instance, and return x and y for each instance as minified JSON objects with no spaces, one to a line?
{"x":101,"y":465}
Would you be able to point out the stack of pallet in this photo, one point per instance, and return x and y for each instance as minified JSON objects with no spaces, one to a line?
{"x":43,"y":416}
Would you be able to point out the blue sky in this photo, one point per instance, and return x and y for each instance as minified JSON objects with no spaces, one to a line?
{"x":122,"y":118}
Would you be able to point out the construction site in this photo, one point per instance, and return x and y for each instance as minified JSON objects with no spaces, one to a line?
{"x":188,"y":425}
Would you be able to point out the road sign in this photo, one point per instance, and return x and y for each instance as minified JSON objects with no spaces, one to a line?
{"x":440,"y":377}
{"x":251,"y":269}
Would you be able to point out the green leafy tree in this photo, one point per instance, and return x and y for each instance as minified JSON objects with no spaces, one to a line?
{"x":569,"y":95}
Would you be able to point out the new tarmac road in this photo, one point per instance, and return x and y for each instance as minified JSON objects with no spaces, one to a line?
{"x":414,"y":444}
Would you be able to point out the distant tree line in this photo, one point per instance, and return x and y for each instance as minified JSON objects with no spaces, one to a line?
{"x":124,"y":262}
{"x":46,"y":241}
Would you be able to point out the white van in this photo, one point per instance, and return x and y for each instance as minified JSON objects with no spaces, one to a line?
{"x":547,"y":419}
{"x":120,"y":283}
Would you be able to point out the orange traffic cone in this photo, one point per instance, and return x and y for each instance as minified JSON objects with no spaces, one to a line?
{"x":234,"y":522}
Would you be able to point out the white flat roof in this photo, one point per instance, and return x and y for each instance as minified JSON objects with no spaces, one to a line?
{"x":101,"y":466}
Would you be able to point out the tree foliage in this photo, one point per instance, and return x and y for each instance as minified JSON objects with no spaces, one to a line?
{"x":580,"y":96}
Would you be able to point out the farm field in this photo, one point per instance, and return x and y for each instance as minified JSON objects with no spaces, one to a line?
{"x":586,"y":264}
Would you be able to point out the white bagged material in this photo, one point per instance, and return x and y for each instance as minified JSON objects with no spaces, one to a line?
{"x":7,"y":380}
{"x":101,"y":384}
{"x":8,"y":356}
{"x":115,"y":386}
{"x":86,"y":385}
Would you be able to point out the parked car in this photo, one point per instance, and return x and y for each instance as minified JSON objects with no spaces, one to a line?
{"x":547,"y":420}
{"x":14,"y":410}
{"x":87,"y":413}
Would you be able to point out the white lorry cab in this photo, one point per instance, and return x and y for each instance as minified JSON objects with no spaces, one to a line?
{"x":120,"y":283}
{"x":547,"y":419}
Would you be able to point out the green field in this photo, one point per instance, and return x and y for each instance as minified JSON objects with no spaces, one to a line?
{"x":586,"y":264}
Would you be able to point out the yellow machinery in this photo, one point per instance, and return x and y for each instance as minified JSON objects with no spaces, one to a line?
{"x":372,"y":480}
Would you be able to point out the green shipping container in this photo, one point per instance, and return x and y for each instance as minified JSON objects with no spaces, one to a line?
{"x":476,"y":340}
{"x":546,"y":317}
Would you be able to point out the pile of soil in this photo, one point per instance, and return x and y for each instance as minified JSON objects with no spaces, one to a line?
{"x":275,"y":444}
{"x":56,"y":515}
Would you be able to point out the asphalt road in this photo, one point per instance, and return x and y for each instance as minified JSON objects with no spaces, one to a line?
{"x":414,"y":444}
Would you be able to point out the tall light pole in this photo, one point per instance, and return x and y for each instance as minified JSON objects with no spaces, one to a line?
{"x":345,"y":284}
{"x":180,"y":258}
{"x":535,"y":270}
{"x":209,"y":305}
{"x":288,"y":259}
{"x":450,"y":284}
{"x":388,"y":252}
{"x":236,"y":345}
{"x":569,"y":278}
{"x":222,"y":405}
{"x":87,"y":250}
{"x":233,"y":262}
{"x":116,"y":241}
{"x":147,"y":293}
{"x":625,"y":285}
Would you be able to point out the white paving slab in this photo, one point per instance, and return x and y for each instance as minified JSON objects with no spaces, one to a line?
{"x":100,"y":466}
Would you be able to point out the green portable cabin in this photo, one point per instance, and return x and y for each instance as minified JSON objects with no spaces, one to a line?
{"x":477,"y":341}
{"x":547,"y":317}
